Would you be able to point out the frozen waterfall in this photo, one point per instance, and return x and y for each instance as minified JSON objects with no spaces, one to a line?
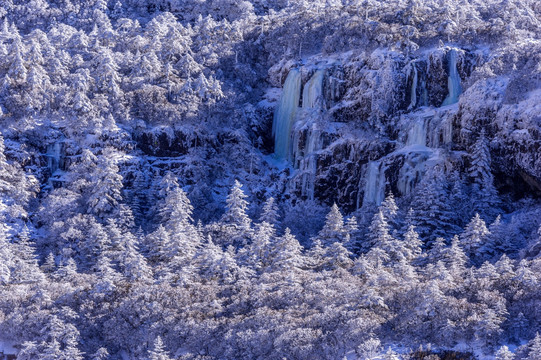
{"x":411,"y":173}
{"x":418,"y":90}
{"x":284,"y":116}
{"x":306,"y":157}
{"x":309,"y":162}
{"x":417,"y":133}
{"x":55,"y":161}
{"x":374,"y":191}
{"x":453,"y":81}
{"x":413,"y":101}
{"x":312,"y":94}
{"x":54,"y":154}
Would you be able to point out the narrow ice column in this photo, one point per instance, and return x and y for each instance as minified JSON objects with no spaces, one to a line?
{"x":374,"y":191}
{"x":284,"y":116}
{"x":453,"y":81}
{"x":312,"y":94}
{"x":414,"y":83}
{"x":309,"y":163}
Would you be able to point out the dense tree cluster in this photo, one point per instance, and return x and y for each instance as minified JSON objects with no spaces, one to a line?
{"x":244,"y":289}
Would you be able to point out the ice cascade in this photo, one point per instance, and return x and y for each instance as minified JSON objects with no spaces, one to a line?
{"x":284,"y":116}
{"x":308,"y":164}
{"x":453,"y":81}
{"x":55,"y":159}
{"x":305,"y":157}
{"x":312,"y":94}
{"x":418,"y":91}
{"x":374,"y":191}
{"x":54,"y":156}
{"x":417,"y":133}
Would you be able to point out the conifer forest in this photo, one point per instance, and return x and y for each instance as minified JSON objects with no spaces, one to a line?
{"x":270,"y":179}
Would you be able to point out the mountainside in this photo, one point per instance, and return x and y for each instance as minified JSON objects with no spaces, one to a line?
{"x":270,"y":179}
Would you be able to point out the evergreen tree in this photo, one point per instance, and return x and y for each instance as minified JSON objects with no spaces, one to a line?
{"x":474,"y":236}
{"x":381,"y":239}
{"x":105,"y":192}
{"x":459,"y":200}
{"x":534,"y":348}
{"x":270,"y":212}
{"x":49,"y":265}
{"x":7,"y":261}
{"x":333,"y":230}
{"x":496,"y":242}
{"x":390,"y":211}
{"x":236,"y":219}
{"x":485,"y":197}
{"x":287,"y":253}
{"x":207,"y":260}
{"x":338,"y":257}
{"x":260,"y":248}
{"x":176,"y":210}
{"x":455,"y":258}
{"x":132,"y":264}
{"x":351,"y":228}
{"x":412,"y":244}
{"x":25,"y":269}
{"x":436,"y":253}
{"x":503,"y":353}
{"x":158,"y":352}
{"x":433,"y":217}
{"x":158,"y":246}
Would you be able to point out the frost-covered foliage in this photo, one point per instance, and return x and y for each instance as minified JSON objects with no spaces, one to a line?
{"x":150,"y":207}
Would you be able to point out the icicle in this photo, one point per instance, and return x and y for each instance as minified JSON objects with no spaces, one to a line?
{"x":312,"y":94}
{"x":284,"y":116}
{"x":413,"y":101}
{"x":453,"y":81}
{"x":374,"y":191}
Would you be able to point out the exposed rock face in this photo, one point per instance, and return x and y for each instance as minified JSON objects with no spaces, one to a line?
{"x":169,"y":143}
{"x":378,"y":95}
{"x":514,"y":129}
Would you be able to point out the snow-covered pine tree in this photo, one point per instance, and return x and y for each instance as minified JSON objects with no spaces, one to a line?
{"x":105,"y":193}
{"x":287,"y":253}
{"x":474,"y":237}
{"x":270,"y":212}
{"x":503,"y":353}
{"x":334,"y":229}
{"x":534,"y":348}
{"x":485,"y":196}
{"x":433,"y":216}
{"x":158,"y":351}
{"x":390,"y":211}
{"x":236,"y":220}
